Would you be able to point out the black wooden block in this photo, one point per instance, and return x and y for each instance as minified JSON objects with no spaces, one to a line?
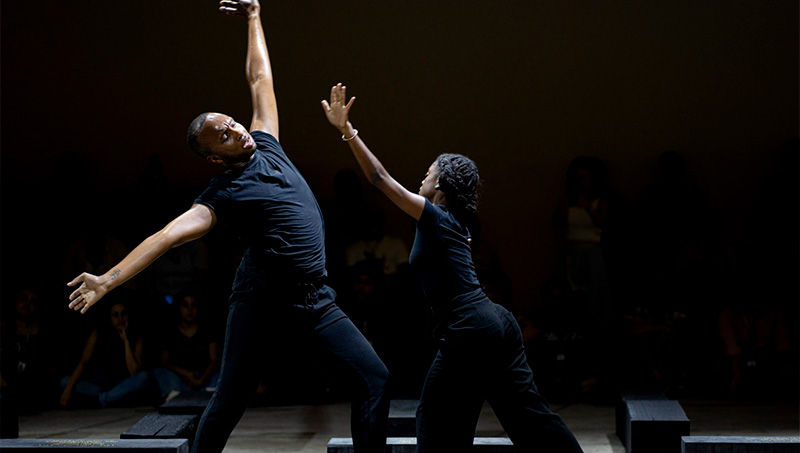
{"x":163,"y":426}
{"x":735,"y":444}
{"x":621,"y":411}
{"x":409,"y":445}
{"x":402,"y":418}
{"x":97,"y":445}
{"x":655,"y":426}
{"x":187,"y":403}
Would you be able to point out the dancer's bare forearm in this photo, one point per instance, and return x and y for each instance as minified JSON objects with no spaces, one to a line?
{"x":337,"y":112}
{"x":190,"y":225}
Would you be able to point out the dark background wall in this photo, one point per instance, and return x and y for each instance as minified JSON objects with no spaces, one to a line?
{"x":90,"y":89}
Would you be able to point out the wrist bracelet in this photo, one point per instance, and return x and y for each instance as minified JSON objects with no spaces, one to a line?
{"x":355,"y":133}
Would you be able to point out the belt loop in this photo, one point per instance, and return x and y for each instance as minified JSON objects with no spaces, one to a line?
{"x":310,"y":294}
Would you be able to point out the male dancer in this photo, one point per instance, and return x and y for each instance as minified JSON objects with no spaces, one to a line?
{"x":278,"y":290}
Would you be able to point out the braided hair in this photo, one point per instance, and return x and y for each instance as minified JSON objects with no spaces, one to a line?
{"x":459,"y":181}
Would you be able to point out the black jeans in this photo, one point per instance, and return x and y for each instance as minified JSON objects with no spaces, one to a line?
{"x":260,"y":316}
{"x":482,"y":358}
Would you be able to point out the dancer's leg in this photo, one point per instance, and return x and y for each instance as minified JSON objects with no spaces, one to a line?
{"x":524,"y":414}
{"x":238,"y":378}
{"x":450,"y":404}
{"x":370,"y":411}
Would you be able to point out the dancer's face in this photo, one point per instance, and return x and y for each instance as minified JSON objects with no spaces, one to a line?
{"x":431,"y":179}
{"x":229,"y":141}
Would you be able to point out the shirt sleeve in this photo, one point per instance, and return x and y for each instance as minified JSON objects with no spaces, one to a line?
{"x":217,"y":197}
{"x":431,"y":215}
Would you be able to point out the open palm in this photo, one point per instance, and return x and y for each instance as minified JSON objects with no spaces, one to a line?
{"x":337,"y":111}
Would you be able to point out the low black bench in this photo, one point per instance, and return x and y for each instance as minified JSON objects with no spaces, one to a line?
{"x":402,"y":418}
{"x":654,"y":426}
{"x":97,"y":445}
{"x":409,"y":445}
{"x":163,"y":426}
{"x":755,"y":444}
{"x":621,"y":410}
{"x":191,"y":402}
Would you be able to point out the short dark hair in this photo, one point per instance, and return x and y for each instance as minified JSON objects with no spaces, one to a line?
{"x":459,"y":181}
{"x":191,"y":135}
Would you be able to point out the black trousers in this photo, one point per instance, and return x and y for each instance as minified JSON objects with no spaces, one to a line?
{"x":258,"y":320}
{"x":482,"y":358}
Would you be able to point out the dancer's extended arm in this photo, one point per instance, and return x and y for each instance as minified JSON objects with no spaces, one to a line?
{"x":258,"y":68}
{"x":337,"y":112}
{"x":190,"y":225}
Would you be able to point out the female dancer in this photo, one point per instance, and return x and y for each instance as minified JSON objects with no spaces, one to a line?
{"x":481,"y":356}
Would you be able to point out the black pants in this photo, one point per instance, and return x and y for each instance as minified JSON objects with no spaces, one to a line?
{"x":482,"y":358}
{"x":258,"y":321}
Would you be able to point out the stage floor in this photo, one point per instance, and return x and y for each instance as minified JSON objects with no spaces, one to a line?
{"x":308,"y":428}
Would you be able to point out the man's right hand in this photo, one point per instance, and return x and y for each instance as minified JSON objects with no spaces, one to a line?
{"x":92,"y":288}
{"x":245,"y":8}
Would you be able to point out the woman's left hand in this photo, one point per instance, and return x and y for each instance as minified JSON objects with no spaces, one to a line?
{"x":337,"y":111}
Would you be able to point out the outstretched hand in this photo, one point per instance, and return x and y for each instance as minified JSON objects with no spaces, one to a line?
{"x":337,"y":111}
{"x":239,"y":7}
{"x":91,"y":290}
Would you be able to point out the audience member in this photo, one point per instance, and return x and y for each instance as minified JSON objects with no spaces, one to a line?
{"x":190,"y":351}
{"x":679,"y":275}
{"x":580,"y":219}
{"x":344,"y":216}
{"x":109,"y":371}
{"x":27,"y":348}
{"x":756,"y":344}
{"x":374,"y":244}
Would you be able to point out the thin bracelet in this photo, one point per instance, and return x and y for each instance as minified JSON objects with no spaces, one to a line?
{"x":355,"y":133}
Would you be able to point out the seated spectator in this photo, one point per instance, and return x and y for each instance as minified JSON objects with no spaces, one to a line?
{"x":26,"y":366}
{"x":391,"y":251}
{"x":755,"y":341}
{"x":189,"y":357}
{"x":109,"y":372}
{"x":35,"y":383}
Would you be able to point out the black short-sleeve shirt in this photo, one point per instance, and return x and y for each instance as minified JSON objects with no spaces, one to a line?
{"x":189,"y":353}
{"x":271,"y":207}
{"x":442,"y":257}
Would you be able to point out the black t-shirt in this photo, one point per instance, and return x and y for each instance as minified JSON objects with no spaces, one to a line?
{"x":108,"y":358}
{"x":189,"y":353}
{"x":442,"y":257}
{"x":269,"y":204}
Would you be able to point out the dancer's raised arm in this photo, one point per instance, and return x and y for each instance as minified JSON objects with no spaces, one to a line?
{"x":257,"y":66}
{"x":338,"y":115}
{"x":190,"y":225}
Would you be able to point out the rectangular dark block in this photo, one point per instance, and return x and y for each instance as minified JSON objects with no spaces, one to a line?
{"x":194,"y":402}
{"x":409,"y":445}
{"x":163,"y":426}
{"x":402,"y":418}
{"x":621,"y":410}
{"x":737,"y":444}
{"x":96,"y":445}
{"x":655,"y":426}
